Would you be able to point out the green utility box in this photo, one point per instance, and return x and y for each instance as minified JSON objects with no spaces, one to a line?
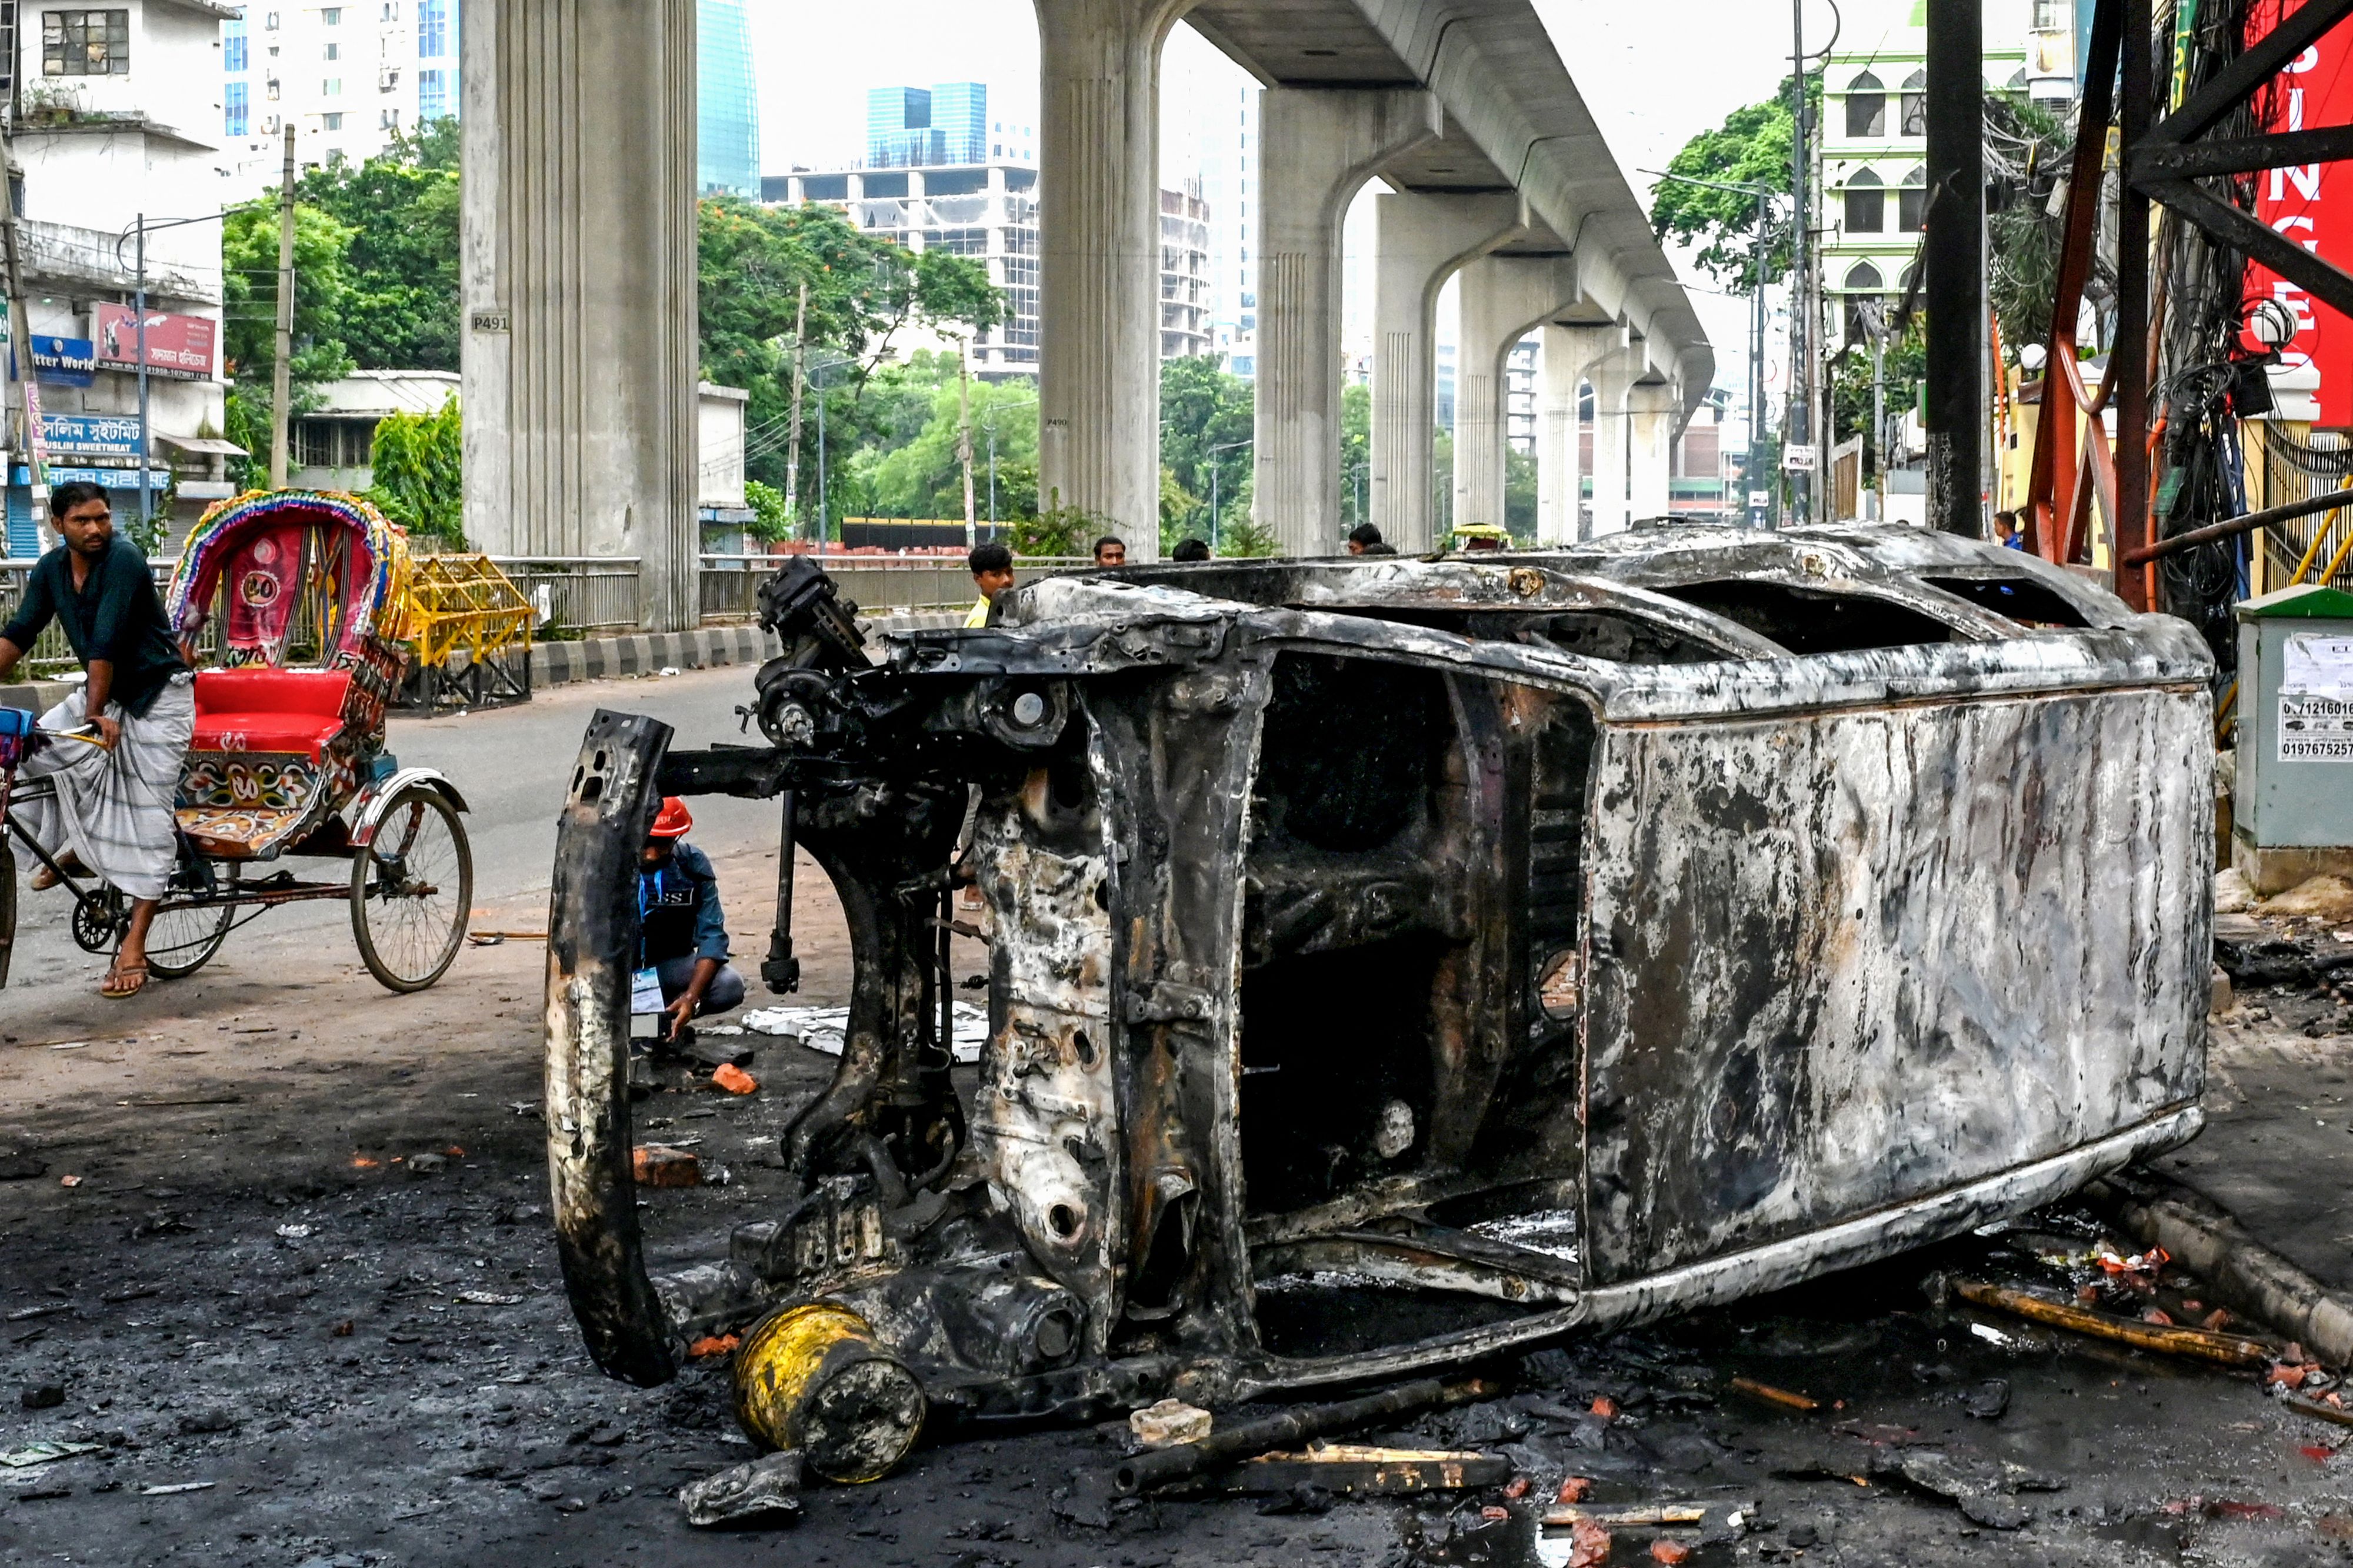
{"x":2292,"y":802}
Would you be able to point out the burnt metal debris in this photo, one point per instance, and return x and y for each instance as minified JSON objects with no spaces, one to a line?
{"x":1396,"y":963}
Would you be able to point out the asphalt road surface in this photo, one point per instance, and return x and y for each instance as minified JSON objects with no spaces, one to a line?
{"x":300,"y":1293}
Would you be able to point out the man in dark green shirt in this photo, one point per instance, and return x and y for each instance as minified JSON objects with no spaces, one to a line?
{"x":112,"y":811}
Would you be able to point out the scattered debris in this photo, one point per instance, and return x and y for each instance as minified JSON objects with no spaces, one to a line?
{"x":734,"y":1080}
{"x":766,"y":1491}
{"x":823,"y":1028}
{"x":31,"y":1454}
{"x":660,"y":1165}
{"x":1772,"y":1395}
{"x":1182,"y":1461}
{"x":2325,"y":897}
{"x":1349,"y":1470}
{"x":2230,"y":1350}
{"x":1170,"y":1421}
{"x":1656,"y":1516}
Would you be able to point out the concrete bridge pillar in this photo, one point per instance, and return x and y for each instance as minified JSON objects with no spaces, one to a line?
{"x":1317,"y":149}
{"x":578,"y":260}
{"x":1098,"y":274}
{"x":1653,"y":416}
{"x":1613,"y":377}
{"x":1560,"y":388}
{"x":1422,"y":239}
{"x":1503,"y":298}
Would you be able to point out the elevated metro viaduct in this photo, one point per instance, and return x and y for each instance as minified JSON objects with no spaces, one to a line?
{"x":580,"y":270}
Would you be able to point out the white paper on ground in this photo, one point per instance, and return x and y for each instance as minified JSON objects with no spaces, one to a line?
{"x":821,"y":1028}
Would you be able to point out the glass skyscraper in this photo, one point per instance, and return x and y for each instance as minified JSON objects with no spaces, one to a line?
{"x":727,"y":133}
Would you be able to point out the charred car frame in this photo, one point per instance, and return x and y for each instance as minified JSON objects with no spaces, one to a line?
{"x":1525,"y":943}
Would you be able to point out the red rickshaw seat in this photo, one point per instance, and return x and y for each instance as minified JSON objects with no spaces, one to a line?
{"x":265,"y":710}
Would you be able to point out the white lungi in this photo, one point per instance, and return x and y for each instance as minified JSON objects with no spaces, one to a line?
{"x":114,"y":809}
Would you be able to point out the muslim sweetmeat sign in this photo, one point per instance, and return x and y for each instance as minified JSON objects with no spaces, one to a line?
{"x":184,"y":347}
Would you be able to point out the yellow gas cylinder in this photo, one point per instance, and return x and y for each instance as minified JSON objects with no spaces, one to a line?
{"x":814,"y":1378}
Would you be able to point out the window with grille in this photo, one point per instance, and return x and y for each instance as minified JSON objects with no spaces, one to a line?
{"x":1866,"y":107}
{"x":85,"y":43}
{"x":1866,"y":204}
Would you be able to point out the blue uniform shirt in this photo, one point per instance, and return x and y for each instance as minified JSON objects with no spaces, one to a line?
{"x":678,"y":909}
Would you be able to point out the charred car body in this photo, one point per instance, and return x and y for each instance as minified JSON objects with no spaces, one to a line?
{"x":1523,"y":945}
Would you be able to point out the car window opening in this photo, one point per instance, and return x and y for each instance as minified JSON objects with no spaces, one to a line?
{"x":2022,"y":599}
{"x":1813,"y":621}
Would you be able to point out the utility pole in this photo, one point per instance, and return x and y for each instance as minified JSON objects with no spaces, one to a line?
{"x":1801,"y":294}
{"x":1954,"y":278}
{"x":793,"y":445}
{"x":281,"y":373}
{"x":963,"y":434}
{"x":20,"y":333}
{"x":146,"y":439}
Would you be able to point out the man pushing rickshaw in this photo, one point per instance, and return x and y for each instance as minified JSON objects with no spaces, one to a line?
{"x":110,"y":812}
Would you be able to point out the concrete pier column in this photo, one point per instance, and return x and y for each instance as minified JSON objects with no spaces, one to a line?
{"x":1560,"y":388}
{"x":1317,"y":149}
{"x":1421,"y":240}
{"x":1653,"y":417}
{"x":1098,"y":273}
{"x":578,"y":259}
{"x":1612,"y":377}
{"x":1503,"y":299}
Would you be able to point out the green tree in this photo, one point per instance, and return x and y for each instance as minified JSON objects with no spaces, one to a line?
{"x":419,"y":463}
{"x":769,"y":523}
{"x":1205,"y":425}
{"x":864,"y":291}
{"x":249,"y":309}
{"x":924,"y":478}
{"x":400,"y":309}
{"x":1520,"y":494}
{"x":1355,"y":453}
{"x":1751,"y":147}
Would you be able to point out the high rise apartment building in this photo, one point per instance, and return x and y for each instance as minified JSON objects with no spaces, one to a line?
{"x":727,"y":127}
{"x":348,"y":77}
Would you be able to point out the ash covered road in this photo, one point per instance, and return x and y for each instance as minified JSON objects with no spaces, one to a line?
{"x":303,"y":1298}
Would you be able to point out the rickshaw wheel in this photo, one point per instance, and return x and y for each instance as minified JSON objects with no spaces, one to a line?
{"x":98,"y":920}
{"x":182,"y":941}
{"x":412,"y":888}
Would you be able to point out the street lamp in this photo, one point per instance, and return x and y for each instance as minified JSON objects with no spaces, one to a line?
{"x":819,"y":369}
{"x":138,"y":232}
{"x":1763,"y":193}
{"x":1212,"y":455}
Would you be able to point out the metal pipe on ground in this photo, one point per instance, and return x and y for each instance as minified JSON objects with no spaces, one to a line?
{"x":1182,"y":1461}
{"x":2206,"y":1239}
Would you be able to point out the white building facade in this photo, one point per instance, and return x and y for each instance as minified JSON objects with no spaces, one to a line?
{"x":349,"y":78}
{"x":116,"y":112}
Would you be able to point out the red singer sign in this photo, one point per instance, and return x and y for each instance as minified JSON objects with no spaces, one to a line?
{"x":187,"y":347}
{"x":2311,"y":203}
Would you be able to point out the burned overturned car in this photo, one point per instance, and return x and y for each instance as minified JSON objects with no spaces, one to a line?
{"x":1539,"y":942}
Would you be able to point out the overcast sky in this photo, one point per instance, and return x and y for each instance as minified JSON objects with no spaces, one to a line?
{"x":1652,"y":75}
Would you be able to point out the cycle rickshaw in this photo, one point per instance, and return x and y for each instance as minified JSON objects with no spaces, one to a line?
{"x":304,"y":594}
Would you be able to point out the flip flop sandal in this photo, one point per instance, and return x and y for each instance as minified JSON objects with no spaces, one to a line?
{"x":114,"y":990}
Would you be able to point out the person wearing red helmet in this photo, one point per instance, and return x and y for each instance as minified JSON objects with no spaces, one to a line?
{"x":681,"y":931}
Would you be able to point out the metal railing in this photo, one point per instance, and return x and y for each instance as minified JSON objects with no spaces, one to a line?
{"x":577,"y":593}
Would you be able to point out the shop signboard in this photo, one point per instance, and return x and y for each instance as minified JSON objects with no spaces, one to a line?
{"x":184,"y":347}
